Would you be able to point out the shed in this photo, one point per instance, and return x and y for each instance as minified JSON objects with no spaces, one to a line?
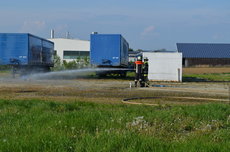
{"x":164,"y":66}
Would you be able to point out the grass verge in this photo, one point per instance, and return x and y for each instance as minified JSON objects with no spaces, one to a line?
{"x":207,"y":77}
{"x":34,"y":125}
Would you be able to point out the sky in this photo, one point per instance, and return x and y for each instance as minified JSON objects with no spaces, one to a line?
{"x":145,"y":24}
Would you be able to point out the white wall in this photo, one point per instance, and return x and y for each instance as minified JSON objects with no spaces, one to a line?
{"x":61,"y":44}
{"x":164,"y":66}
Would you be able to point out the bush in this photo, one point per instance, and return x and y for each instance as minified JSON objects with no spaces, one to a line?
{"x":4,"y":67}
{"x":57,"y":64}
{"x":80,"y":62}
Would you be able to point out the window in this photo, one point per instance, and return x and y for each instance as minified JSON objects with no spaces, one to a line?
{"x":75,"y":54}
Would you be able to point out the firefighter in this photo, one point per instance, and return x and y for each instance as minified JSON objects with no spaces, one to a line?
{"x":145,"y":72}
{"x":139,"y":71}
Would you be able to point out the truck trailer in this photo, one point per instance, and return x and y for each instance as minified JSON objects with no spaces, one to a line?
{"x":26,"y":52}
{"x":109,"y":51}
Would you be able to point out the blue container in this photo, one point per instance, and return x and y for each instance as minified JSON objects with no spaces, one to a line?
{"x":108,"y":50}
{"x":25,"y":49}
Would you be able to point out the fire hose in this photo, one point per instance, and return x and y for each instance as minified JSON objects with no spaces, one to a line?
{"x":128,"y":100}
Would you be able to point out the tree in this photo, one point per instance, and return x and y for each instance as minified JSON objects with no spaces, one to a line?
{"x":140,"y":50}
{"x":131,"y":50}
{"x":161,"y":50}
{"x":57,"y":64}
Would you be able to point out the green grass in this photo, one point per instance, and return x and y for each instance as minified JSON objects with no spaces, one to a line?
{"x":207,"y":77}
{"x":5,"y":67}
{"x":50,"y":126}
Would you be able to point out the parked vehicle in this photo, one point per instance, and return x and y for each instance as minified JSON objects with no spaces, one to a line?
{"x":109,"y":51}
{"x":26,"y":53}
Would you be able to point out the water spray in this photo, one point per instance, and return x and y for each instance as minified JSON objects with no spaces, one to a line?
{"x":71,"y":73}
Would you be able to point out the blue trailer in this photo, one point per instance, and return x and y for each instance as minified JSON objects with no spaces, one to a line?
{"x":110,"y":51}
{"x":26,"y":52}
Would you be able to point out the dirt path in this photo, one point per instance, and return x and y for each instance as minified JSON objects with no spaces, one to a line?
{"x":108,"y":90}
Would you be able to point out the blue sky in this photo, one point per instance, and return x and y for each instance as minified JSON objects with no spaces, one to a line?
{"x":146,"y":24}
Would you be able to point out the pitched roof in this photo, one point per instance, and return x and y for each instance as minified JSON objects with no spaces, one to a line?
{"x":204,"y":50}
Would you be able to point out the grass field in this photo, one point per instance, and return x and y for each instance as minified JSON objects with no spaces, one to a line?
{"x":86,"y":114}
{"x":207,"y":77}
{"x":206,"y":74}
{"x":210,"y":70}
{"x":34,"y":125}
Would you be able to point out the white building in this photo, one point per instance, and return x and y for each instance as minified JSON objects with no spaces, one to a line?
{"x":164,"y":66}
{"x":70,"y":49}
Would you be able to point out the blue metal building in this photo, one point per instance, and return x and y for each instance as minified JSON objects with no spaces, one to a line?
{"x":209,"y":54}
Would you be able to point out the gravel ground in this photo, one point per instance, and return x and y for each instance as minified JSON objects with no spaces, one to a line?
{"x":107,"y":90}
